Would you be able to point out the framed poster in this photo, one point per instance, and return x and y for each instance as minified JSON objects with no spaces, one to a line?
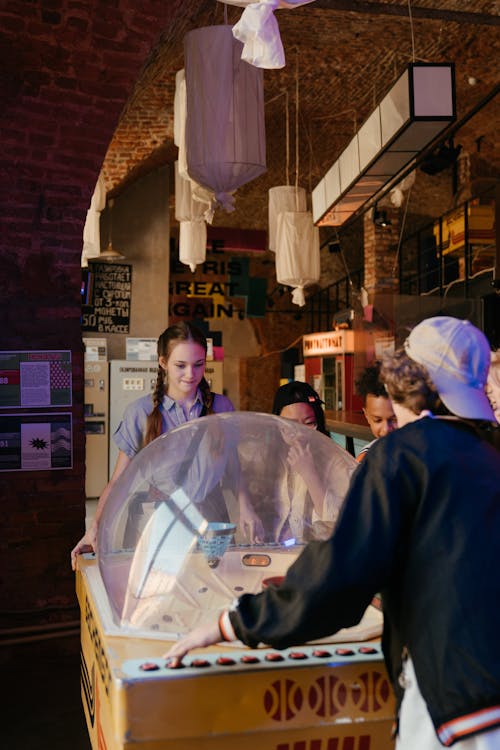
{"x":33,"y":379}
{"x":35,"y":442}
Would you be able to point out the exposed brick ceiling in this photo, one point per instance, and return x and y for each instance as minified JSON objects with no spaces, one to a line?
{"x":348,"y":54}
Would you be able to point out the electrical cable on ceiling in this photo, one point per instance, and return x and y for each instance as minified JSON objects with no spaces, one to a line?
{"x":297,"y":120}
{"x":284,"y":93}
{"x":411,"y":31}
{"x":287,"y":140}
{"x":403,"y":222}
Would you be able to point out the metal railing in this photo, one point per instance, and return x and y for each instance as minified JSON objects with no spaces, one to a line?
{"x":338,"y":296}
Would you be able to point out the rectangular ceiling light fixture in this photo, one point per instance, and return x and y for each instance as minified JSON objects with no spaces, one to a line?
{"x":420,"y":105}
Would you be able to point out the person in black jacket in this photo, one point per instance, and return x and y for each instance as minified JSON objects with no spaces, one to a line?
{"x":421,"y":525}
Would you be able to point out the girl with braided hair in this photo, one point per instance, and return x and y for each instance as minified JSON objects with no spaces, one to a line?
{"x":180,"y":395}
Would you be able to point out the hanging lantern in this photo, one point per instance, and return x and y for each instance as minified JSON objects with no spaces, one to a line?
{"x":180,"y":121}
{"x":92,"y":229}
{"x":190,"y":215}
{"x":192,"y":243}
{"x":197,"y":192}
{"x":283,"y":198}
{"x":297,"y":252}
{"x":225,"y":133}
{"x":258,"y":30}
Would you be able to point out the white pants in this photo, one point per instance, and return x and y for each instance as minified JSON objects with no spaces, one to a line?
{"x":416,"y":730}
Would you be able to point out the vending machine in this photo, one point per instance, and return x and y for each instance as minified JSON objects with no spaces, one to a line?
{"x":128,"y":380}
{"x":329,"y":361}
{"x":213,"y":375}
{"x":96,"y":411}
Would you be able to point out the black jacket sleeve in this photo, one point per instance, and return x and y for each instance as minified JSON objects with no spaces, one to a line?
{"x":332,"y":582}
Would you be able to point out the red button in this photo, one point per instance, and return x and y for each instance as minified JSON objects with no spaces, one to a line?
{"x":225,"y":661}
{"x":274,"y":657}
{"x":297,"y":655}
{"x":344,"y":651}
{"x":200,"y":663}
{"x":321,"y":653}
{"x":367,"y":650}
{"x":173,"y":665}
{"x":149,"y":666}
{"x":247,"y":659}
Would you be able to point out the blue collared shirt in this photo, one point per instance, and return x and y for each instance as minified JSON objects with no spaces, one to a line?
{"x":129,"y":435}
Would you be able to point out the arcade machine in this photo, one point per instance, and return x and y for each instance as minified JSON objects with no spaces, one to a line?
{"x":173,"y":550}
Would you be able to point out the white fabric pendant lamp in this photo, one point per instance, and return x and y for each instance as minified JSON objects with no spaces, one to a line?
{"x":283,"y":198}
{"x":297,"y":253}
{"x":192,"y":243}
{"x":259,"y":32}
{"x":193,"y":229}
{"x":197,"y":192}
{"x":225,"y":131}
{"x":92,"y":228}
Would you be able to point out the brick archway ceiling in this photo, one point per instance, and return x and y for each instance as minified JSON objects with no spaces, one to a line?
{"x":348,"y":55}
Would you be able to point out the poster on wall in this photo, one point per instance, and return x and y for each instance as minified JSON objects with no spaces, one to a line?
{"x":31,"y":379}
{"x":106,"y":297}
{"x":34,"y":442}
{"x":221,"y":289}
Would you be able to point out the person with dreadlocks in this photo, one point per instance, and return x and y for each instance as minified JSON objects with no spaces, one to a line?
{"x":180,"y":395}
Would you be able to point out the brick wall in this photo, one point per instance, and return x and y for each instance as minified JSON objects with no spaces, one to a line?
{"x":68,"y":69}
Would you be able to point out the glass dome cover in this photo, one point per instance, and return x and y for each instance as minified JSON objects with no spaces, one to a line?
{"x":213,"y":509}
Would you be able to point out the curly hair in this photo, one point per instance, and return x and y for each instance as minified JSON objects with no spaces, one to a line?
{"x":369,"y":383}
{"x":171,"y":336}
{"x":409,"y":384}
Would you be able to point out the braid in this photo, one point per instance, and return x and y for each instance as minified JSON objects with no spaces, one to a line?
{"x":154,"y":421}
{"x":208,"y":396}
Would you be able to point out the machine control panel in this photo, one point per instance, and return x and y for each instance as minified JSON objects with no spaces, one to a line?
{"x":133,"y":384}
{"x":331,"y":655}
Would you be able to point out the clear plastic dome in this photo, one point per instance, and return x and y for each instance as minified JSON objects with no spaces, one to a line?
{"x":211,"y":510}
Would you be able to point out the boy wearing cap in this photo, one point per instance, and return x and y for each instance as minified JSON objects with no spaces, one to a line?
{"x":421,"y":525}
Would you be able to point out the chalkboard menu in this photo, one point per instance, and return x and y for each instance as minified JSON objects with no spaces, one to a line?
{"x":106,"y":296}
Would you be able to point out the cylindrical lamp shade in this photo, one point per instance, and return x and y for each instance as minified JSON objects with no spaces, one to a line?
{"x":187,"y":208}
{"x":283,"y":198}
{"x":180,"y":108}
{"x":192,"y":243}
{"x":225,"y":131}
{"x":92,"y":228}
{"x":297,"y":253}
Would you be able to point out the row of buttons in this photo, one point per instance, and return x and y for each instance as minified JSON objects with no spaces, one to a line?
{"x":272,"y":656}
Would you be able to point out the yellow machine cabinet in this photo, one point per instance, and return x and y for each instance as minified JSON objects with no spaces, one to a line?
{"x":173,"y":551}
{"x":325,"y":697}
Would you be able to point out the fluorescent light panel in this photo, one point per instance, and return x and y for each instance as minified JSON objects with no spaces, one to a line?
{"x":420,"y":105}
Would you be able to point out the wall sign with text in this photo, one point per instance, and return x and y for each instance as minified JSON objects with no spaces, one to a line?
{"x":106,"y":297}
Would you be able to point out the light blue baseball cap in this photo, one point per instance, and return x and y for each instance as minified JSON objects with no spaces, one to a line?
{"x":457,"y":356}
